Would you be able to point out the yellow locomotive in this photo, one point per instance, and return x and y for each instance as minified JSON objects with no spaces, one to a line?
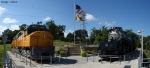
{"x":34,"y":41}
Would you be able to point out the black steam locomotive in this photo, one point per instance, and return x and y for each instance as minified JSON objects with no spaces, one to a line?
{"x":118,"y":43}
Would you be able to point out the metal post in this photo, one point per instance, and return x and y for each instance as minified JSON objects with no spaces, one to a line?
{"x":124,"y":58}
{"x":16,"y":55}
{"x":20,"y":56}
{"x":139,"y":63}
{"x":66,"y":54}
{"x":87,"y":56}
{"x":59,"y":58}
{"x":74,"y":22}
{"x":129,"y":55}
{"x":93,"y":58}
{"x":4,"y":40}
{"x":30,"y":60}
{"x":51,"y":60}
{"x":101,"y":59}
{"x":110,"y":59}
{"x":142,"y":45}
{"x":26,"y":59}
{"x":30,"y":53}
{"x":120,"y":59}
{"x":10,"y":63}
{"x":41,"y":60}
{"x":141,"y":31}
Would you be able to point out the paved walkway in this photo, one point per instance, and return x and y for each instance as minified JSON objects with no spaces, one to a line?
{"x":79,"y":62}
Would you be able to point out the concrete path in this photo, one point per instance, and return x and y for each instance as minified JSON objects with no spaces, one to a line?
{"x":79,"y":62}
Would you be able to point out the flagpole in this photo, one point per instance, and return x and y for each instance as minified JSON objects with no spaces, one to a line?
{"x":74,"y":19}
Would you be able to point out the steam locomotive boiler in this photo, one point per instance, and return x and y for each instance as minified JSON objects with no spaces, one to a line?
{"x":118,"y":43}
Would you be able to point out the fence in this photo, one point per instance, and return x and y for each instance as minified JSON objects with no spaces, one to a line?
{"x":8,"y":62}
{"x":142,"y":63}
{"x":126,"y":56}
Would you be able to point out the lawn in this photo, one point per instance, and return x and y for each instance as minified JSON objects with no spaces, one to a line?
{"x":61,"y":43}
{"x":8,"y":47}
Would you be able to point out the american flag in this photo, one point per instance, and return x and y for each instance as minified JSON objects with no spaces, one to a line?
{"x":79,"y":10}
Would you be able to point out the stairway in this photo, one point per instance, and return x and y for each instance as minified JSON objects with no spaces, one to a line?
{"x":74,"y":51}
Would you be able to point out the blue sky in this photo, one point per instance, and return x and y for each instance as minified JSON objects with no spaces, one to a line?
{"x":128,"y":14}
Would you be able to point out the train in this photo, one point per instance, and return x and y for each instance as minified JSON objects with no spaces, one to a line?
{"x":35,"y":41}
{"x":118,"y":43}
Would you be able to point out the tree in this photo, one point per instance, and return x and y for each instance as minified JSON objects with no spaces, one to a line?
{"x":60,"y":32}
{"x":134,"y":36}
{"x":146,"y":39}
{"x":23,"y":26}
{"x":95,"y":32}
{"x":81,"y":34}
{"x":10,"y":36}
{"x":98,"y":35}
{"x":69,"y":37}
{"x":56,"y":31}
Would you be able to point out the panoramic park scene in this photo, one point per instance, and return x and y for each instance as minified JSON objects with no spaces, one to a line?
{"x":75,"y":34}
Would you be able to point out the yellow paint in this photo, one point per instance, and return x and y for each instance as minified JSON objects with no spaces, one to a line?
{"x":37,"y":38}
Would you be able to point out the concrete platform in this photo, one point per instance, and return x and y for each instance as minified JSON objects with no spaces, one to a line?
{"x":79,"y":62}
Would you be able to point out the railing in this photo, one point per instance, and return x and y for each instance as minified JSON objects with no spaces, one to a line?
{"x":126,"y":56}
{"x":13,"y":63}
{"x":8,"y":62}
{"x":142,"y":63}
{"x":23,"y":59}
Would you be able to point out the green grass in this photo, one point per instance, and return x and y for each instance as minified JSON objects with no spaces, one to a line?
{"x":8,"y":47}
{"x":61,"y":43}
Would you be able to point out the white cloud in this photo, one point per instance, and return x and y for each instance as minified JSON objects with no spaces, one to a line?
{"x":90,"y":17}
{"x":9,"y":20}
{"x":109,"y":24}
{"x":2,"y":28}
{"x":14,"y":27}
{"x":46,"y":19}
{"x":69,"y":31}
{"x":2,"y":10}
{"x":100,"y":23}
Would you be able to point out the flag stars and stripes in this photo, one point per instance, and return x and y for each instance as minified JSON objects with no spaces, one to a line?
{"x":79,"y":10}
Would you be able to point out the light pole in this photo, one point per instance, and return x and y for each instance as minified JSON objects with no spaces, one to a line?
{"x":141,"y":31}
{"x":4,"y":41}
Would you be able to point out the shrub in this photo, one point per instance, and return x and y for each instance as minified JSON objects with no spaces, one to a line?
{"x":83,"y":53}
{"x":56,"y":52}
{"x":89,"y":52}
{"x":83,"y":49}
{"x":62,"y":53}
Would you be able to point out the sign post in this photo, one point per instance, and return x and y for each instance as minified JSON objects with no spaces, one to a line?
{"x":4,"y":42}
